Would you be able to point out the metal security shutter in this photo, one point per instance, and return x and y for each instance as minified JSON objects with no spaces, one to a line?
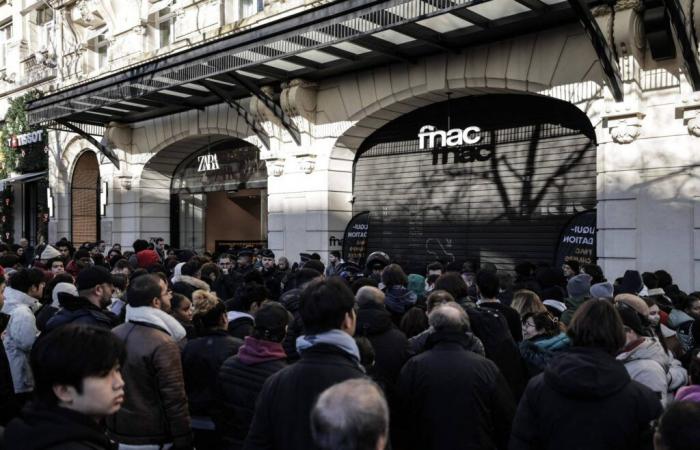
{"x":84,"y":199}
{"x":505,"y":210}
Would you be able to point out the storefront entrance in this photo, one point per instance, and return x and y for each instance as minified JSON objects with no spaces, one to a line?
{"x":492,"y":178}
{"x":219,"y":198}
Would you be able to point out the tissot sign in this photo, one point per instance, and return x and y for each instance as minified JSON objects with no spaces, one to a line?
{"x":464,"y":144}
{"x":20,"y":140}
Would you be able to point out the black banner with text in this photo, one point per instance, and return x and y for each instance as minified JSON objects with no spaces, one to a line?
{"x":355,"y":239}
{"x":578,"y":240}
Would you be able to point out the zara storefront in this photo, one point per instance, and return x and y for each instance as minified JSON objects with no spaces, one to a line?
{"x":480,"y":140}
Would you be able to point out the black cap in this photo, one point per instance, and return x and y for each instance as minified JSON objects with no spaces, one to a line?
{"x":91,"y":276}
{"x":245,"y":252}
{"x":267,"y":253}
{"x":271,"y":317}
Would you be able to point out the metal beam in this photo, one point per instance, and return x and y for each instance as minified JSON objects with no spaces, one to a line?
{"x":606,"y":56}
{"x":276,"y":109}
{"x":686,"y":38}
{"x":88,"y":137}
{"x":533,"y":4}
{"x":227,"y":98}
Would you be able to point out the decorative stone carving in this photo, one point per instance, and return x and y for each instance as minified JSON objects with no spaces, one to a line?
{"x":86,"y":10}
{"x":275,"y":166}
{"x":307,"y":162}
{"x":125,"y":182}
{"x":139,"y":30}
{"x":624,"y":132}
{"x":694,"y":126}
{"x":689,"y":111}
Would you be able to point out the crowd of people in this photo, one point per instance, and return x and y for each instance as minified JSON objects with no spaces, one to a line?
{"x":156,"y":348}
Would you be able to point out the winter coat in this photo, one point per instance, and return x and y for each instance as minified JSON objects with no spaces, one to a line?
{"x":201,"y":361}
{"x":689,"y":394}
{"x":678,"y":317}
{"x":572,"y":304}
{"x":452,"y":398}
{"x":273,"y":282}
{"x":398,"y":300}
{"x":240,"y":381}
{"x":417,"y":343}
{"x":291,"y":393}
{"x":155,"y":404}
{"x":389,"y":343}
{"x":187,"y":285}
{"x":43,"y":315}
{"x":19,"y":338}
{"x":539,"y":351}
{"x":80,"y":311}
{"x":648,"y":363}
{"x":290,"y":300}
{"x":55,"y":428}
{"x":512,"y":318}
{"x":9,"y":406}
{"x":585,"y":400}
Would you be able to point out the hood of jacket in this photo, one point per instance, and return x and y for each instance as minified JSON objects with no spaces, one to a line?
{"x":290,"y":299}
{"x":74,"y":302}
{"x":678,"y":317}
{"x":649,"y":348}
{"x":586,"y":373}
{"x":255,"y":351}
{"x":689,"y":393}
{"x":194,"y":282}
{"x":399,"y":299}
{"x":373,"y":319}
{"x":48,"y":427}
{"x":554,"y":343}
{"x":15,"y":298}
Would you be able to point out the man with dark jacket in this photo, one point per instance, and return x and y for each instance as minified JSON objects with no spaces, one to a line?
{"x":450,"y":396}
{"x":242,"y":376}
{"x":155,"y":408}
{"x":389,"y":343}
{"x":271,"y":274}
{"x":95,"y":289}
{"x":290,"y":299}
{"x":487,"y":286}
{"x":241,"y":309}
{"x":329,"y":355}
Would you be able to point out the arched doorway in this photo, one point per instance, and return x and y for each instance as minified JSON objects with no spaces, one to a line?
{"x":85,"y":197}
{"x":490,"y":178}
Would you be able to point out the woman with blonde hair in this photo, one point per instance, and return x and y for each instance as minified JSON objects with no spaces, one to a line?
{"x":527,"y":302}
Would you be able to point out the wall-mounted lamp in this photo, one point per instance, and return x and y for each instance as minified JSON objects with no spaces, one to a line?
{"x":103,"y":198}
{"x":49,"y":201}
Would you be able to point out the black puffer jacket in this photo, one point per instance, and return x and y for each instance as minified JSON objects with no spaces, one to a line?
{"x":55,"y":428}
{"x":240,"y":381}
{"x":389,"y":343}
{"x":585,"y":400}
{"x":201,"y":361}
{"x":79,"y":311}
{"x":290,"y":300}
{"x":281,"y":420}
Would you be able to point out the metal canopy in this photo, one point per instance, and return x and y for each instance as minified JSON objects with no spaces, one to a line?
{"x":686,"y":39}
{"x":336,"y":38}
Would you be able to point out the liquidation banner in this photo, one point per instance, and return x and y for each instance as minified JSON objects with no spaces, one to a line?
{"x":577,"y":241}
{"x":355,"y":239}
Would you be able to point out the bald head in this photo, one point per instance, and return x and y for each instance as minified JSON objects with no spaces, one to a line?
{"x":369,"y":294}
{"x":449,"y":317}
{"x":351,"y":415}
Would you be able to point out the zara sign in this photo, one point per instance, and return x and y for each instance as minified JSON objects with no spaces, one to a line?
{"x":463,"y":144}
{"x":208,"y":162}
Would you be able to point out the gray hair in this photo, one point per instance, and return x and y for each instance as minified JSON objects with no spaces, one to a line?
{"x":352,"y":415}
{"x":449,"y":317}
{"x":369,"y":294}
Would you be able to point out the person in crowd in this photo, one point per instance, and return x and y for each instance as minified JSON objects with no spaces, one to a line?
{"x":183,"y":311}
{"x":667,"y":336}
{"x":335,"y":262}
{"x":56,"y":266}
{"x":283,"y":265}
{"x":147,"y":258}
{"x":389,"y":343}
{"x":50,"y":304}
{"x":571,"y":268}
{"x":65,"y":248}
{"x":416,"y":284}
{"x":398,"y":299}
{"x":487,"y":287}
{"x":542,"y":340}
{"x":201,"y":361}
{"x":75,"y":391}
{"x":189,"y":279}
{"x":414,"y":322}
{"x":211,"y":274}
{"x":244,"y":262}
{"x":527,"y":302}
{"x":329,"y":355}
{"x":451,"y":397}
{"x":242,"y":309}
{"x":692,"y":392}
{"x":121,"y":266}
{"x":430,"y":283}
{"x":22,"y":295}
{"x":644,"y":357}
{"x":225,"y":263}
{"x":578,"y":289}
{"x":631,"y":284}
{"x":50,"y":252}
{"x":9,"y":406}
{"x":683,"y":319}
{"x":352,"y":414}
{"x":155,"y":404}
{"x":585,"y":399}
{"x":596,"y":273}
{"x":434,"y":268}
{"x":291,"y":300}
{"x":89,"y":307}
{"x":242,"y":376}
{"x":160,"y":248}
{"x":679,"y":428}
{"x":139,"y":245}
{"x":272,"y":276}
{"x":603,"y":290}
{"x":120,"y":283}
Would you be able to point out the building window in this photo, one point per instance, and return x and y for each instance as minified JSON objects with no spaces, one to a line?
{"x":44,"y":23}
{"x":5,"y":36}
{"x":249,"y":7}
{"x":99,"y":47}
{"x":164,"y":21}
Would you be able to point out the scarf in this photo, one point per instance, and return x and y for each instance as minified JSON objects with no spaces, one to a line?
{"x":256,"y":351}
{"x":337,"y":338}
{"x":158,"y":318}
{"x":177,"y":273}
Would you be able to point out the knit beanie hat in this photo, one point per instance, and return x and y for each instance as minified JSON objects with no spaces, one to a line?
{"x":579,"y":286}
{"x":147,"y":258}
{"x":602,"y":290}
{"x":631,"y":283}
{"x":553,"y":293}
{"x":416,"y":283}
{"x":49,"y":253}
{"x":91,"y":276}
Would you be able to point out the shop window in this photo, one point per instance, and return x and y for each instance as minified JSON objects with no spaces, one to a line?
{"x":5,"y":36}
